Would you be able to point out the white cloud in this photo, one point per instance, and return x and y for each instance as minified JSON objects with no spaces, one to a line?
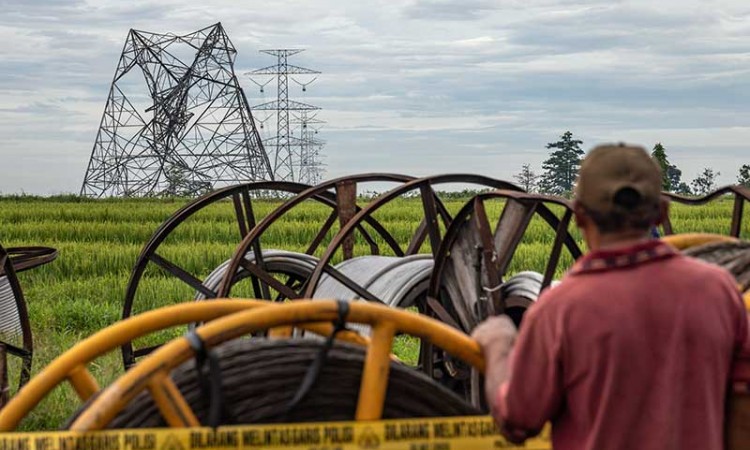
{"x":477,"y":85}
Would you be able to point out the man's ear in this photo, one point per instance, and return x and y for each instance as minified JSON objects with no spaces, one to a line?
{"x":581,"y":217}
{"x":663,"y":210}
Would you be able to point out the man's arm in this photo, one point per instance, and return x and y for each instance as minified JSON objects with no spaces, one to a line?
{"x":496,"y":336}
{"x":523,"y":376}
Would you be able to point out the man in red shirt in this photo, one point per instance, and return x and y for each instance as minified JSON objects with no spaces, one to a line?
{"x":633,"y":349}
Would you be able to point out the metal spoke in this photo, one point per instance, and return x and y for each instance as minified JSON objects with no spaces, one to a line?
{"x":267,"y":279}
{"x":182,"y":274}
{"x":322,"y":233}
{"x":172,"y":405}
{"x":83,"y":382}
{"x":418,"y":239}
{"x":489,"y":257}
{"x":375,"y":373}
{"x":430,"y":215}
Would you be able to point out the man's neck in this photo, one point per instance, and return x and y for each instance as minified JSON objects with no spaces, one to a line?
{"x":615,"y":240}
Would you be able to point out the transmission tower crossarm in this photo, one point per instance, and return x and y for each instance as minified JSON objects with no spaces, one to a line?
{"x":274,"y":70}
{"x":291,"y":105}
{"x":297,"y":70}
{"x":283,"y":51}
{"x":309,"y":121}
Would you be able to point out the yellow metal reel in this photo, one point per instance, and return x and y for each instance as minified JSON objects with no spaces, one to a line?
{"x":687,"y":240}
{"x":72,"y":365}
{"x":153,"y":372}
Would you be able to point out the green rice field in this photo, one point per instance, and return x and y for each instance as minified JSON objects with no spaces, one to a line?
{"x":98,"y":242}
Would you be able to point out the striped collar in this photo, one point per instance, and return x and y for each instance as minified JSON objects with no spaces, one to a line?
{"x":604,"y":260}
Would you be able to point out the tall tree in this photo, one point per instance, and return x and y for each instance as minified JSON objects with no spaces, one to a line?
{"x":705,"y":182}
{"x":660,"y":156}
{"x":744,"y":177}
{"x":526,"y":178}
{"x":561,"y":168}
{"x":683,"y":189}
{"x":675,"y":178}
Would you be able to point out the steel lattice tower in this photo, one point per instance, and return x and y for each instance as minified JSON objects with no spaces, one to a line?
{"x":310,"y":165}
{"x":191,"y":132}
{"x":286,"y":157}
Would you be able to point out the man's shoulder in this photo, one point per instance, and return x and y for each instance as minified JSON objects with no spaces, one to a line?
{"x":701,"y":270}
{"x":691,"y":271}
{"x":559,"y":295}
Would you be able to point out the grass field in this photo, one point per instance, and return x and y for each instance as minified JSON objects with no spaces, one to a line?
{"x":98,"y":242}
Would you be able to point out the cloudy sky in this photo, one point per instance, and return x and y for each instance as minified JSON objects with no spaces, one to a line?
{"x":418,"y":87}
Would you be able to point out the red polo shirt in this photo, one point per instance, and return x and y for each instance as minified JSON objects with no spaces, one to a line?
{"x":632,"y":350}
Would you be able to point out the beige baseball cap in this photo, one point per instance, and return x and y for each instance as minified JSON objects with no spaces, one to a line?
{"x":618,"y":178}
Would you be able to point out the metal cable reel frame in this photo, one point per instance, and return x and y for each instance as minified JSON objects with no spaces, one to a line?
{"x":153,"y":373}
{"x":71,"y":366}
{"x":495,"y":249}
{"x":15,"y":314}
{"x":246,"y":221}
{"x":344,"y":199}
{"x":476,"y":258}
{"x":429,"y":228}
{"x":741,"y":195}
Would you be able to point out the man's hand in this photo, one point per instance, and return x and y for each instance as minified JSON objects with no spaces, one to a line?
{"x":496,"y":336}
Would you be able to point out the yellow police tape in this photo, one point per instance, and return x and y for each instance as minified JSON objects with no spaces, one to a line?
{"x":454,"y":433}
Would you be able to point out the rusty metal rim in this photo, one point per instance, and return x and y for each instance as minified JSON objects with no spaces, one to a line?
{"x":433,"y":208}
{"x":162,"y":232}
{"x":25,"y":258}
{"x":741,"y":195}
{"x":253,"y":235}
{"x":731,"y":189}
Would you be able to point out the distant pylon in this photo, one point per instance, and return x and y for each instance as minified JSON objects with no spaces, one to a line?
{"x":286,"y":159}
{"x":310,"y":163}
{"x":191,"y":131}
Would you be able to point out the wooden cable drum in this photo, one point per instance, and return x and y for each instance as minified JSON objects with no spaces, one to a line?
{"x":734,"y":256}
{"x":260,"y":377}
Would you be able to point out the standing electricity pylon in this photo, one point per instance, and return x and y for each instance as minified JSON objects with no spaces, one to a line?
{"x":310,"y":164}
{"x":286,"y":157}
{"x":190,"y":132}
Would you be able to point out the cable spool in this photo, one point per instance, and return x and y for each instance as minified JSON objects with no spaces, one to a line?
{"x":259,"y":377}
{"x":296,"y":264}
{"x":396,"y":281}
{"x":399,"y":282}
{"x":734,"y":256}
{"x":520,"y":292}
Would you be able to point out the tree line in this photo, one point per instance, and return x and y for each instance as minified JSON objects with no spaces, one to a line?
{"x":560,"y":169}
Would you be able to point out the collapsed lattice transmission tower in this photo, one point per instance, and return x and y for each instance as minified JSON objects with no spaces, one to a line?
{"x":176,"y":121}
{"x":293,"y":158}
